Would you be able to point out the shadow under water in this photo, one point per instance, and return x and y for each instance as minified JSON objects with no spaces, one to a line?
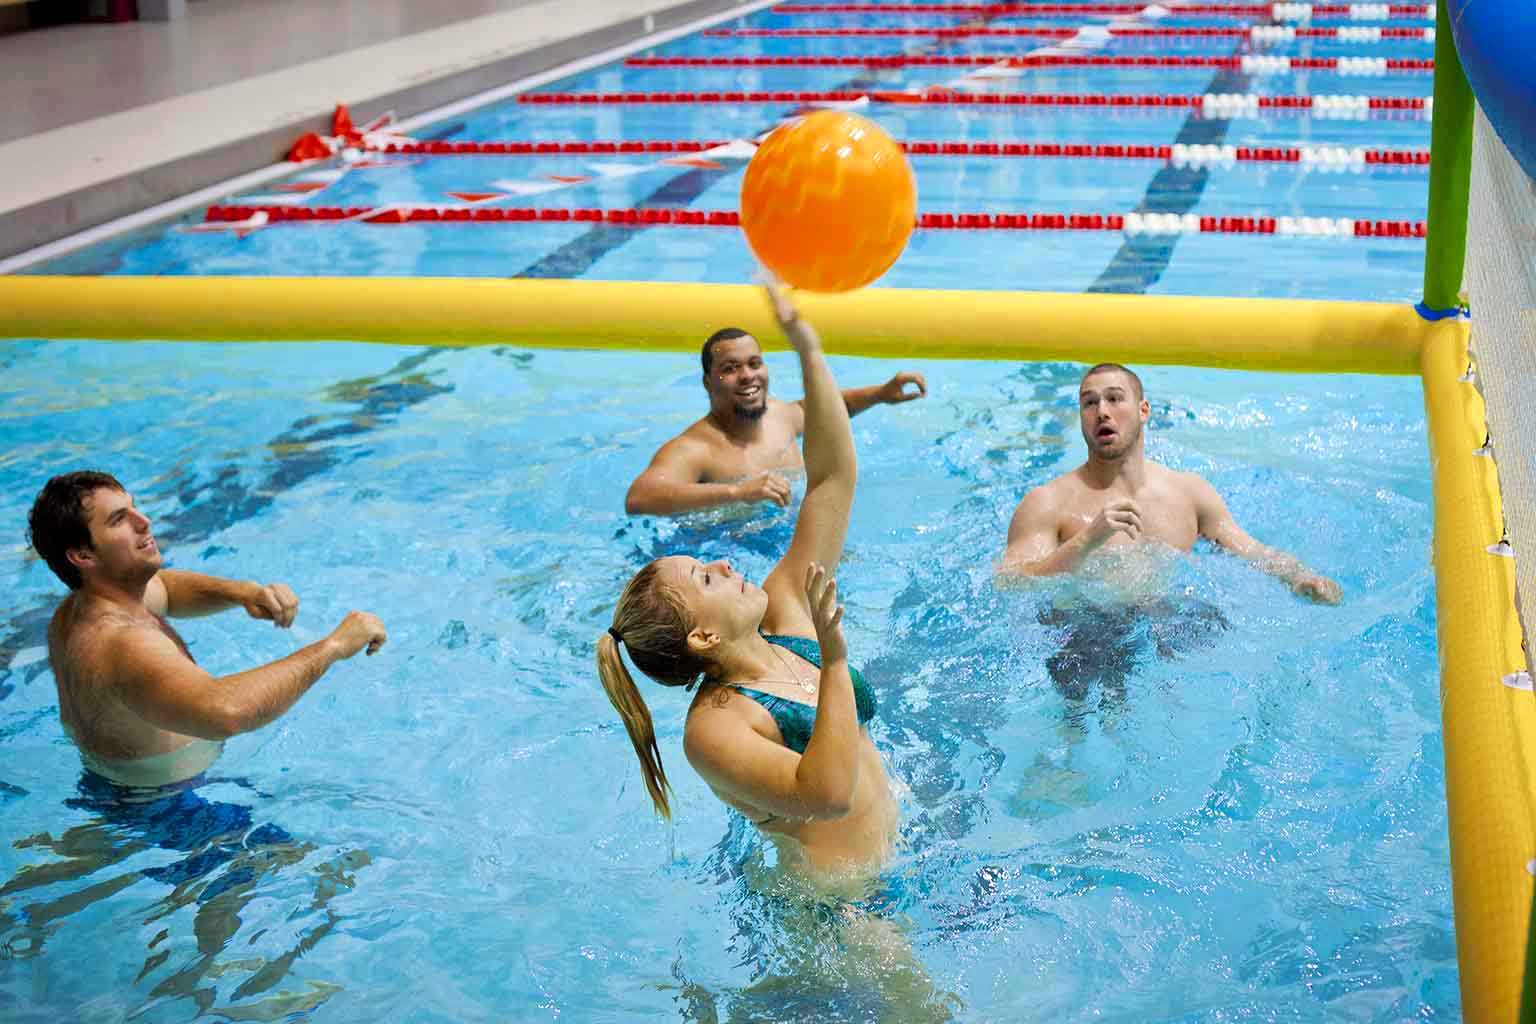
{"x":227,"y":860}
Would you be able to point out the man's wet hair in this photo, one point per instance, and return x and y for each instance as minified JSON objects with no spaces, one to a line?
{"x":60,"y":520}
{"x":1106,"y":367}
{"x":707,"y":356}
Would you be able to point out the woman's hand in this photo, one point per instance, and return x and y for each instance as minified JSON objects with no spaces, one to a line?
{"x":826,"y":613}
{"x":778,"y":299}
{"x":801,"y":337}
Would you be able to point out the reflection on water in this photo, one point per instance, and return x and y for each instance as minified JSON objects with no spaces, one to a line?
{"x":1102,"y":644}
{"x":760,"y":532}
{"x":224,"y":861}
{"x":809,"y":955}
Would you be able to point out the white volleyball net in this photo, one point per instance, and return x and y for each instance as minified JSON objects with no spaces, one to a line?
{"x":1501,"y":285}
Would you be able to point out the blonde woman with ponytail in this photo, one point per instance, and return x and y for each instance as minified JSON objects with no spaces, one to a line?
{"x":777,"y":726}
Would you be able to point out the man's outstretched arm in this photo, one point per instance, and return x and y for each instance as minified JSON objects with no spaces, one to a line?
{"x":892,"y":392}
{"x":168,"y":690}
{"x":1217,"y":525}
{"x":672,"y":484}
{"x":180,"y":594}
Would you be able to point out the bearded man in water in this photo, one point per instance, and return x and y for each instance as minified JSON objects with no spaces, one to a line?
{"x":1119,"y":498}
{"x":740,"y":450}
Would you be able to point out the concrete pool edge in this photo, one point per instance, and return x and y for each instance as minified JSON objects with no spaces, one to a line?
{"x":47,"y":212}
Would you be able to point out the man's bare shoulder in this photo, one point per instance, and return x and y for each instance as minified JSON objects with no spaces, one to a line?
{"x":85,"y":637}
{"x":699,"y":439}
{"x":1188,"y":484}
{"x":78,"y":619}
{"x":78,"y":624}
{"x":1040,"y":510}
{"x":1055,"y":490}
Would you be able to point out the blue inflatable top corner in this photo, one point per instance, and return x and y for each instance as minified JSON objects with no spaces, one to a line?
{"x":1494,"y":39}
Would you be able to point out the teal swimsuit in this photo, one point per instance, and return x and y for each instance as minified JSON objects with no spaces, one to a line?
{"x":794,"y":719}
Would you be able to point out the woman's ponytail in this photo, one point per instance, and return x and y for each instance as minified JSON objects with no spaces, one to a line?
{"x":652,"y":621}
{"x":626,"y":700}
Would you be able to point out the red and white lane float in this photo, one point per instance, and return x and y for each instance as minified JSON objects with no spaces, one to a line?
{"x":1320,"y":157}
{"x":1258,"y":33}
{"x":1253,"y":64}
{"x":1224,"y":105}
{"x":1134,"y":223}
{"x":1276,"y":11}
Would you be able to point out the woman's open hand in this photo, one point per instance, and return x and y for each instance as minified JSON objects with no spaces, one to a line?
{"x":778,"y":299}
{"x":826,"y":613}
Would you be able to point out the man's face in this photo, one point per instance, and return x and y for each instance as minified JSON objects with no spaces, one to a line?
{"x":122,"y":547}
{"x":737,"y":380}
{"x":1111,"y":413}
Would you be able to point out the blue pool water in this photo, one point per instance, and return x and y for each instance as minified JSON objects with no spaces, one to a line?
{"x":1255,"y":827}
{"x":1242,"y":817}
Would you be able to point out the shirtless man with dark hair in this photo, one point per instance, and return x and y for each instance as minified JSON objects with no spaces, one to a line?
{"x":1118,"y":498}
{"x":138,"y":707}
{"x":736,"y":452}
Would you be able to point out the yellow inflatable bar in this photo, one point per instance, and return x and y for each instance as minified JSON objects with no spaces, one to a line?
{"x":1246,"y":334}
{"x":1489,"y":727}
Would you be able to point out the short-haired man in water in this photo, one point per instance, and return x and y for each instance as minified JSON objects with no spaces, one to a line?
{"x":141,"y":711}
{"x":1118,"y":497}
{"x":739,"y":450}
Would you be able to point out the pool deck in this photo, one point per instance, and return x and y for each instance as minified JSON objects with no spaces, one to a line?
{"x":105,"y":120}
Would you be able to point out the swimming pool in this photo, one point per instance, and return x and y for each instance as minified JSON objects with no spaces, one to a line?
{"x":1254,"y":827}
{"x":1257,"y":823}
{"x":1387,"y":269}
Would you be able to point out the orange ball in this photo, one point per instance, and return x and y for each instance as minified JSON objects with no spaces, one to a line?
{"x":828,"y":202}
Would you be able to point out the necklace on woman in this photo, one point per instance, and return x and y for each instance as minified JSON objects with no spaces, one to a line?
{"x":809,"y":686}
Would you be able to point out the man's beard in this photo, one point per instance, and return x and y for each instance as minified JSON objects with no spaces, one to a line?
{"x":137,"y":574}
{"x":751,"y":413}
{"x":1121,"y":448}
